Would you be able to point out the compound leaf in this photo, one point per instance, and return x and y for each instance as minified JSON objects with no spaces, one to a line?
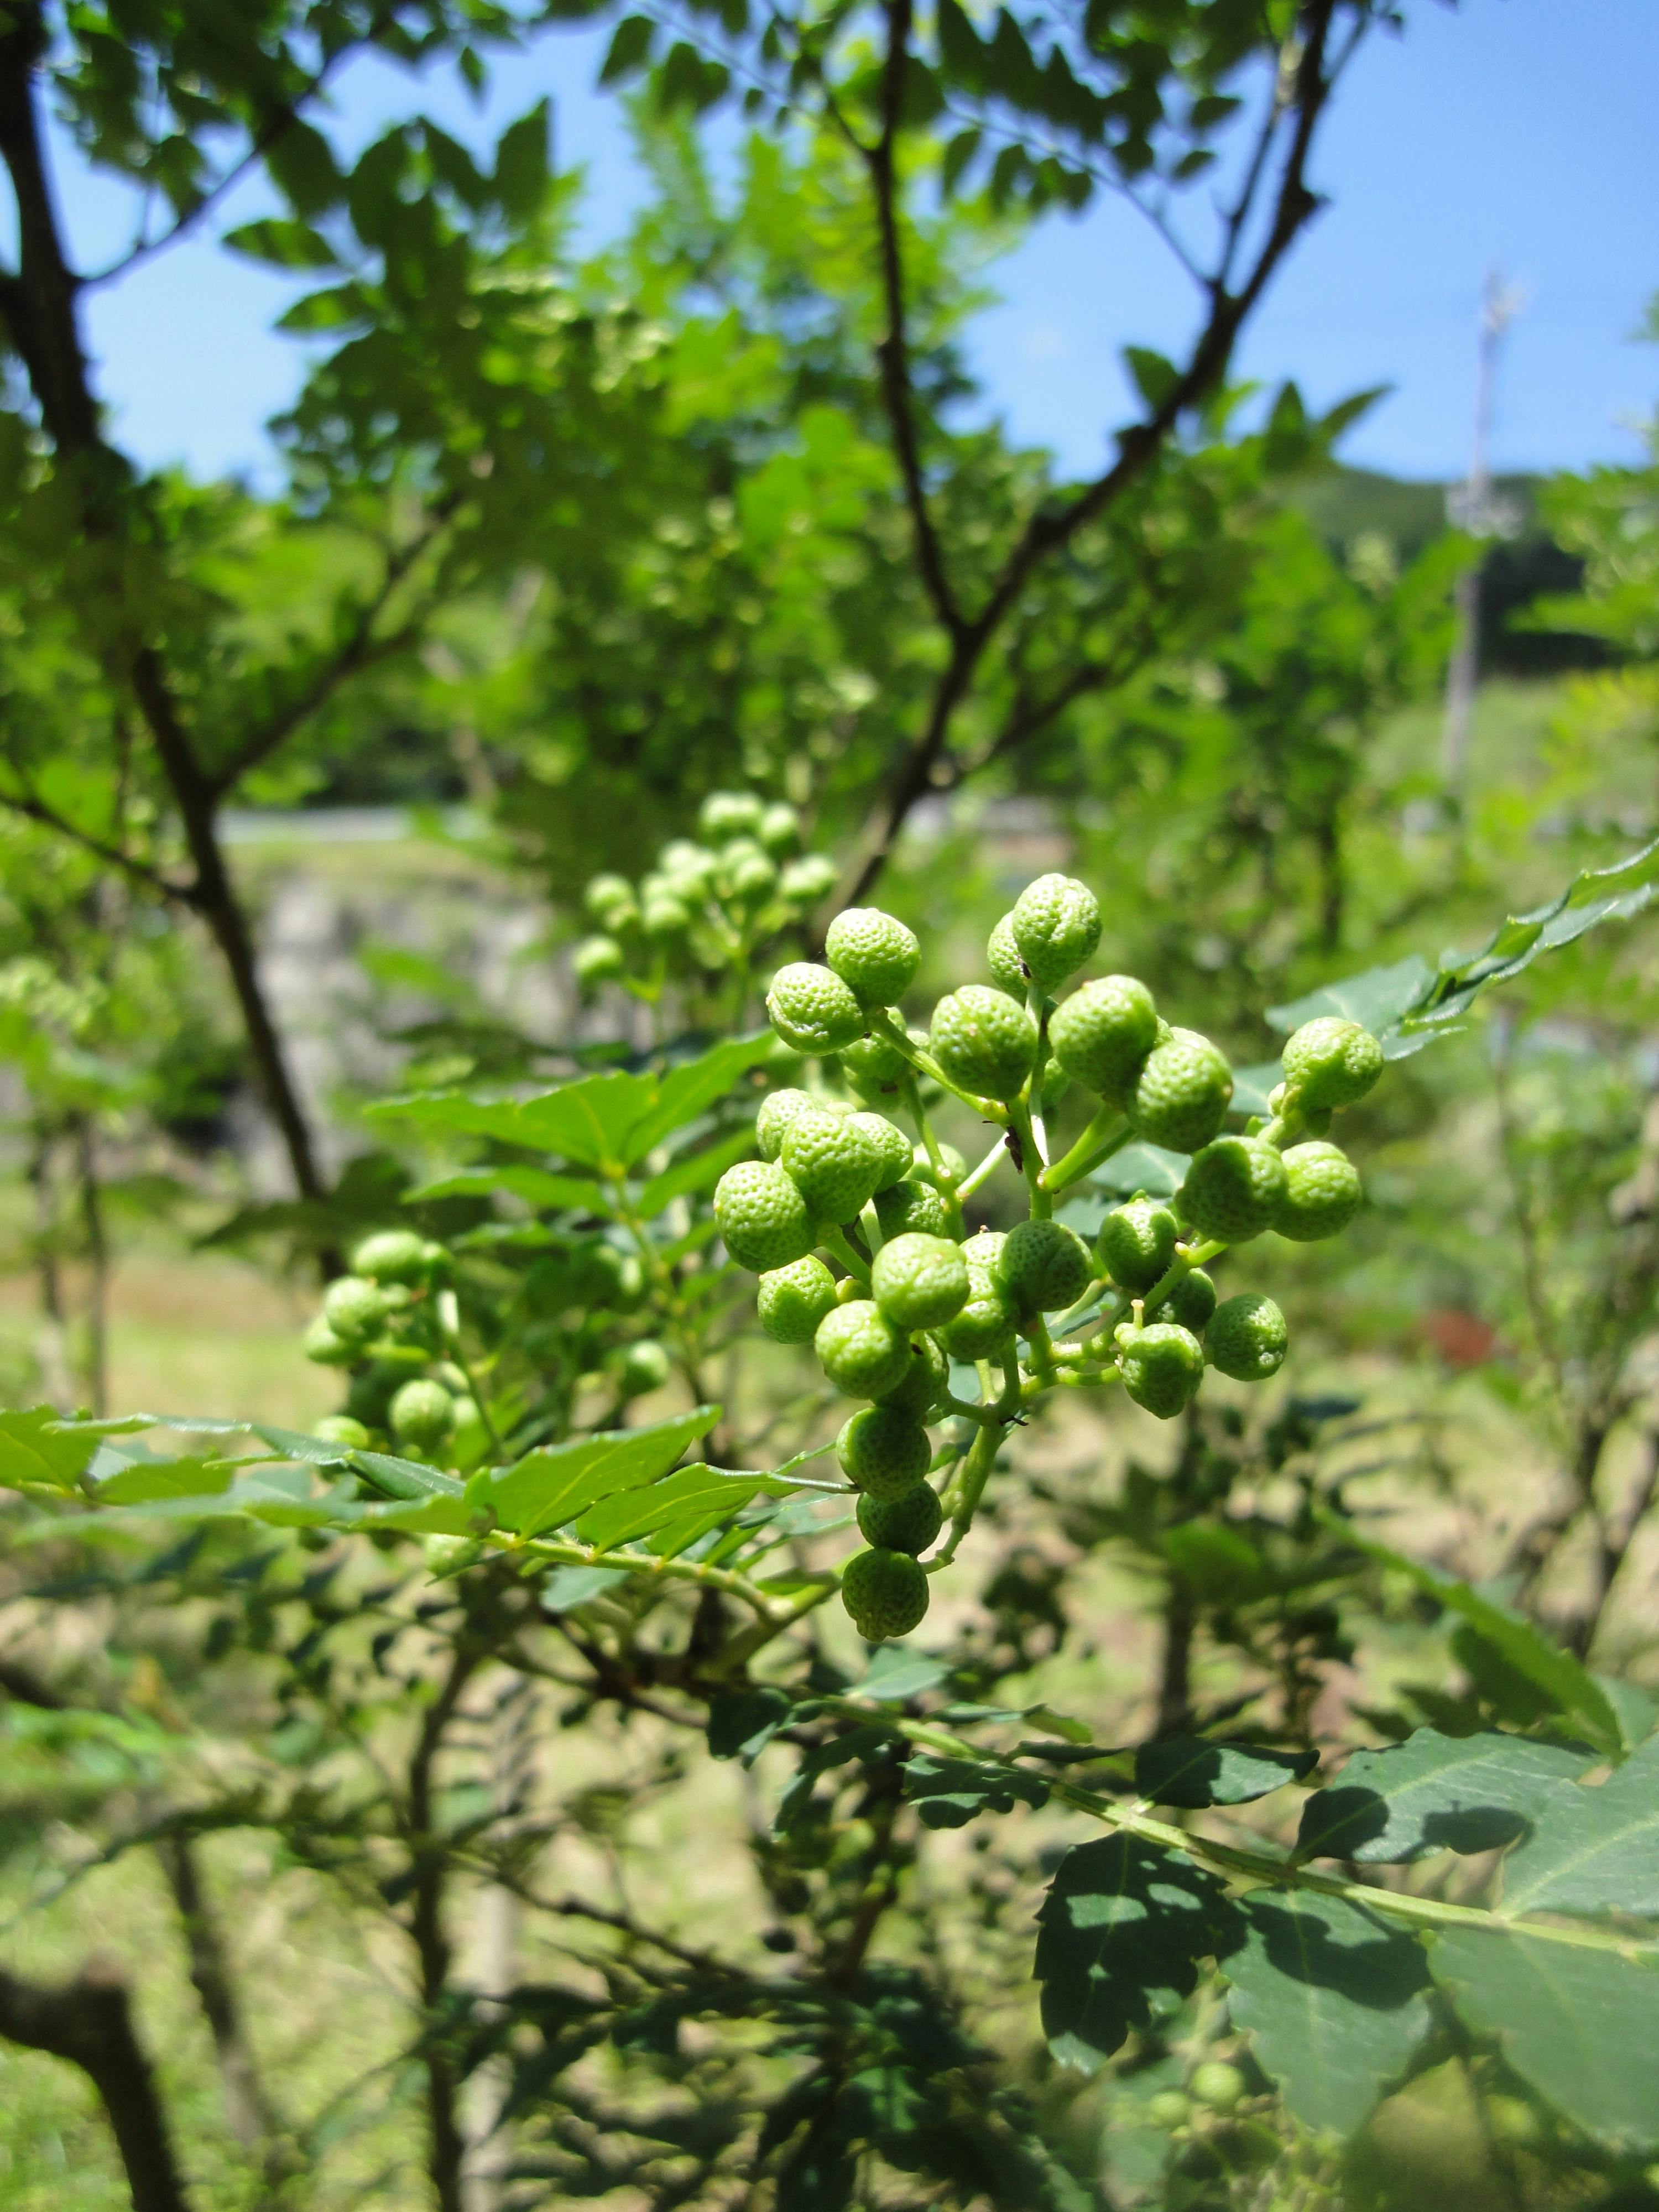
{"x":556,"y":1484}
{"x":948,"y":1793}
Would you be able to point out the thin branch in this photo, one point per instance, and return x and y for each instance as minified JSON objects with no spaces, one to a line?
{"x":36,"y":810}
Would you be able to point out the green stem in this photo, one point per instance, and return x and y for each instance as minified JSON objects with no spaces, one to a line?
{"x":1020,"y":1121}
{"x":1186,"y":1258}
{"x":835,"y":1240}
{"x":1102,"y":1137}
{"x":971,"y":1182}
{"x":883,"y":1024}
{"x":969,"y":1488}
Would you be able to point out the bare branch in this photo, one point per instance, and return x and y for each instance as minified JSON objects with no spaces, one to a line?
{"x":35,"y":809}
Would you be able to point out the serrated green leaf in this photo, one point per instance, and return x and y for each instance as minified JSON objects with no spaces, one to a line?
{"x":699,"y":1498}
{"x":1186,"y":1770}
{"x":138,"y":1481}
{"x":1154,"y":375}
{"x":1377,"y":999}
{"x":629,"y":49}
{"x":536,"y":1186}
{"x":742,"y":1723}
{"x":37,"y":1445}
{"x":1436,"y":1793}
{"x":895,"y":1673}
{"x":1122,"y":1931}
{"x":1332,"y":1999}
{"x":948,"y":1793}
{"x":555,"y":1485}
{"x":1578,"y":2023}
{"x":567,"y":1588}
{"x":1592,"y":1850}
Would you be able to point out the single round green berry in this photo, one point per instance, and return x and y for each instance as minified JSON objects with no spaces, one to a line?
{"x":391,"y":1255}
{"x":608,"y":900}
{"x":983,"y":1042}
{"x":834,"y":1161}
{"x":1168,"y":2109}
{"x":908,"y":1522}
{"x":885,"y":1593}
{"x":423,"y":1414}
{"x":761,"y":1217}
{"x":791,"y":1301}
{"x":748,"y":878}
{"x":1247,"y":1338}
{"x":805,"y":882}
{"x":1056,"y":926}
{"x":909,"y":1206}
{"x":812,"y":1009}
{"x":642,"y":1366}
{"x":874,"y":954}
{"x":884,"y":1449}
{"x":779,"y":830}
{"x":892,"y":1148}
{"x":986,"y":1322}
{"x":354,"y":1308}
{"x":1044,"y":1267}
{"x":328,"y":1350}
{"x":1162,"y":1366}
{"x":1191,"y":1301}
{"x":1003,"y":959}
{"x":341,"y":1429}
{"x":1513,"y":2122}
{"x":860,"y":1351}
{"x":924,"y":1383}
{"x":598,"y":960}
{"x":1321,"y":1194}
{"x":984,"y":1248}
{"x":1331,"y":1062}
{"x":686,"y":868}
{"x":951,"y":1170}
{"x":1101,"y":1034}
{"x":447,"y":1555}
{"x":1182,"y":1095}
{"x":664,"y":919}
{"x":1137,"y":1243}
{"x":728,"y":814}
{"x":777,"y":1111}
{"x":1217,"y":2084}
{"x":874,"y":1067}
{"x":919,"y":1282}
{"x":1234,"y":1189}
{"x":610,"y":1277}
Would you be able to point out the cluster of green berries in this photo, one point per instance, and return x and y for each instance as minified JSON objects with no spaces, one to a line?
{"x":705,"y":905}
{"x":382,"y":1321}
{"x":839,"y":1182}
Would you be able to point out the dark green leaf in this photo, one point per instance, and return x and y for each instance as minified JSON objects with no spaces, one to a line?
{"x":1592,"y":1850}
{"x":1185,"y":1770}
{"x":38,"y":1446}
{"x":1153,"y":374}
{"x":538,"y":1187}
{"x":1434,"y":1793}
{"x":522,"y":167}
{"x":629,"y":50}
{"x":742,"y":1723}
{"x":895,"y":1673}
{"x":286,"y":243}
{"x":948,"y":1793}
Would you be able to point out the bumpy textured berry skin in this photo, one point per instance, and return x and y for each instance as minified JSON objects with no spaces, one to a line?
{"x":777,"y":1111}
{"x":391,"y":1255}
{"x":643,"y":1366}
{"x":1217,"y":2084}
{"x":421,"y":1414}
{"x":793,"y":1301}
{"x":812,"y":1009}
{"x":834,"y":1163}
{"x":1162,"y":1366}
{"x":779,"y":830}
{"x":908,"y":1522}
{"x":911,"y":1205}
{"x":353,"y":1308}
{"x":341,"y":1429}
{"x":983,"y":1041}
{"x":762,"y":1218}
{"x":884,"y":1449}
{"x":860,"y":1351}
{"x":1044,"y":1266}
{"x":1002,"y":957}
{"x":1191,"y":1301}
{"x":984,"y":1248}
{"x":1056,"y":925}
{"x":321,"y":1344}
{"x":873,"y":1067}
{"x":885,"y":1593}
{"x":1182,"y":1095}
{"x":892,"y":1148}
{"x":728,"y":814}
{"x":1137,"y":1243}
{"x":919,"y":1282}
{"x":1331,"y":1062}
{"x":1321,"y":1194}
{"x":1234,"y":1189}
{"x":987,"y":1322}
{"x":924,"y":1381}
{"x":803,"y":881}
{"x":1101,"y":1034}
{"x":873,"y":953}
{"x":1247,"y":1338}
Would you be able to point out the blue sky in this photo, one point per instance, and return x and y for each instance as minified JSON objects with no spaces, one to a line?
{"x":1518,"y":134}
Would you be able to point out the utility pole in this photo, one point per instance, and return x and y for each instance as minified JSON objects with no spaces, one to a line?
{"x":1473,"y":509}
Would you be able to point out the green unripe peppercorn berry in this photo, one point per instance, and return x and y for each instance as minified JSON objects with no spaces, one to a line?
{"x":892,"y":1148}
{"x":873,"y":1067}
{"x":874,"y":955}
{"x":353,"y":1308}
{"x":761,"y":1216}
{"x":777,"y":1111}
{"x":860,"y":1351}
{"x":908,"y":1522}
{"x":1168,"y":2109}
{"x":750,"y":879}
{"x":664,"y":918}
{"x":1162,"y":1366}
{"x":1321,"y":1193}
{"x":321,"y":1344}
{"x":1101,"y":1034}
{"x":609,"y":899}
{"x":1217,"y":2084}
{"x":884,"y":1449}
{"x":924,"y":1383}
{"x":951,"y":1168}
{"x":919,"y":1282}
{"x":1234,"y":1189}
{"x":391,"y":1255}
{"x":727,"y":814}
{"x":1003,"y":959}
{"x":1044,"y":1266}
{"x":983,"y":1042}
{"x":909,"y":1206}
{"x":803,"y":881}
{"x":984,"y":1248}
{"x":341,"y":1429}
{"x":1331,"y":1062}
{"x":597,"y":960}
{"x":1247,"y":1338}
{"x":1137,"y":1243}
{"x":812,"y":1009}
{"x":689,"y":868}
{"x":642,"y":1366}
{"x":421,"y":1414}
{"x":1182,"y":1095}
{"x":885,"y":1593}
{"x":834,"y":1163}
{"x":779,"y":830}
{"x":791,"y":1301}
{"x":1191,"y":1301}
{"x":1056,"y":923}
{"x":986,"y":1322}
